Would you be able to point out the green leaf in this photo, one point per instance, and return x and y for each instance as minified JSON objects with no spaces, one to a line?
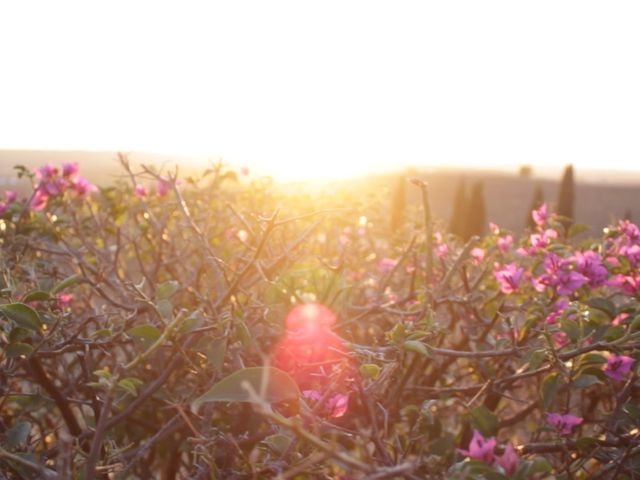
{"x":604,"y":305}
{"x":244,"y":334}
{"x":571,"y":328}
{"x":130,"y":385}
{"x":279,"y":443}
{"x":167,"y":290}
{"x":66,"y":283}
{"x":416,"y":346}
{"x":614,"y":332}
{"x":550,"y":386}
{"x":370,"y":370}
{"x":585,"y":381}
{"x":17,"y":434}
{"x":215,"y":352}
{"x":37,"y":296}
{"x":165,"y":308}
{"x":145,"y":332}
{"x":279,"y":386}
{"x":23,"y":315}
{"x":17,"y":334}
{"x":17,"y":349}
{"x":484,"y":420}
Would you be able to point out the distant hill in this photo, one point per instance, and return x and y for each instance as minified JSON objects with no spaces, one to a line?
{"x":601,"y":196}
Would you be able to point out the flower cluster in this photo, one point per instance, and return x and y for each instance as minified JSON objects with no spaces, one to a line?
{"x":483,"y":449}
{"x":54,"y":183}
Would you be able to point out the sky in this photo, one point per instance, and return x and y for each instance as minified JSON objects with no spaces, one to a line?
{"x":327,"y":89}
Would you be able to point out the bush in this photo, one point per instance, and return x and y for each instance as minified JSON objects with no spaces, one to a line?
{"x":215,"y":329}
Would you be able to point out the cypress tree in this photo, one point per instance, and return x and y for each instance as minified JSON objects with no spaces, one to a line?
{"x":566,"y":197}
{"x":536,"y":202}
{"x":398,"y":204}
{"x":459,"y":213}
{"x":476,"y":217}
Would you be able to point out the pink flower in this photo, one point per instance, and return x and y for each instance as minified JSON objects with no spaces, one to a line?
{"x":3,"y":208}
{"x":477,"y":254}
{"x":494,"y":228}
{"x":564,"y":424}
{"x":505,"y":243}
{"x":630,"y":284}
{"x":618,"y":366}
{"x":480,"y":448}
{"x":508,"y":277}
{"x":632,"y":252}
{"x":82,"y":186}
{"x":244,"y":171}
{"x":386,"y":265}
{"x":620,"y":318}
{"x":442,"y":251}
{"x":10,"y":196}
{"x":47,"y":172}
{"x":508,"y":460}
{"x":140,"y":191}
{"x":70,"y":170}
{"x":64,"y":299}
{"x":540,"y":215}
{"x":569,"y":282}
{"x":337,"y":405}
{"x":558,"y":310}
{"x":163,"y":186}
{"x":590,"y":265}
{"x":40,"y":200}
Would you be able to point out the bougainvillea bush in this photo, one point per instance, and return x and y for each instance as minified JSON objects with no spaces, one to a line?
{"x":215,"y":328}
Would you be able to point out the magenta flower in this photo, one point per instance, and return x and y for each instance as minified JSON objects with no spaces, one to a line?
{"x":630,"y":284}
{"x":10,"y":196}
{"x":540,"y":215}
{"x":564,"y":424}
{"x":140,"y":191}
{"x":630,"y":230}
{"x":618,"y":366}
{"x":337,"y":405}
{"x":477,"y":254}
{"x":480,"y":448}
{"x":385,"y":265}
{"x":569,"y":282}
{"x":163,"y":186}
{"x":40,"y":200}
{"x":631,"y":252}
{"x":508,"y":460}
{"x":590,"y":265}
{"x":3,"y":208}
{"x":505,"y":243}
{"x":82,"y":186}
{"x":558,"y":310}
{"x":47,"y":172}
{"x":508,"y":277}
{"x":70,"y":170}
{"x":64,"y":300}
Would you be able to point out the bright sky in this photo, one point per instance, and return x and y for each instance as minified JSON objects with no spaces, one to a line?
{"x":326,"y":89}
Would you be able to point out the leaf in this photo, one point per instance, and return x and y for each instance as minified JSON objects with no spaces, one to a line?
{"x":550,"y":386}
{"x":17,"y":349}
{"x":484,"y":420}
{"x":17,"y":434}
{"x":614,"y":332}
{"x":571,"y":328}
{"x":66,"y":283}
{"x":167,"y":290}
{"x":145,"y":332}
{"x":17,"y":334}
{"x":23,"y":315}
{"x":130,"y":385}
{"x":279,"y":387}
{"x":244,"y":334}
{"x":37,"y":296}
{"x":416,"y":346}
{"x":279,"y":443}
{"x":604,"y":305}
{"x":165,"y":308}
{"x":370,"y":370}
{"x":585,"y":381}
{"x":215,"y":352}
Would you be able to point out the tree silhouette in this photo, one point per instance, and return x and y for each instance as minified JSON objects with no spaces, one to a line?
{"x":566,"y":197}
{"x":536,"y":202}
{"x":457,"y":224}
{"x":398,"y":204}
{"x":476,"y":217}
